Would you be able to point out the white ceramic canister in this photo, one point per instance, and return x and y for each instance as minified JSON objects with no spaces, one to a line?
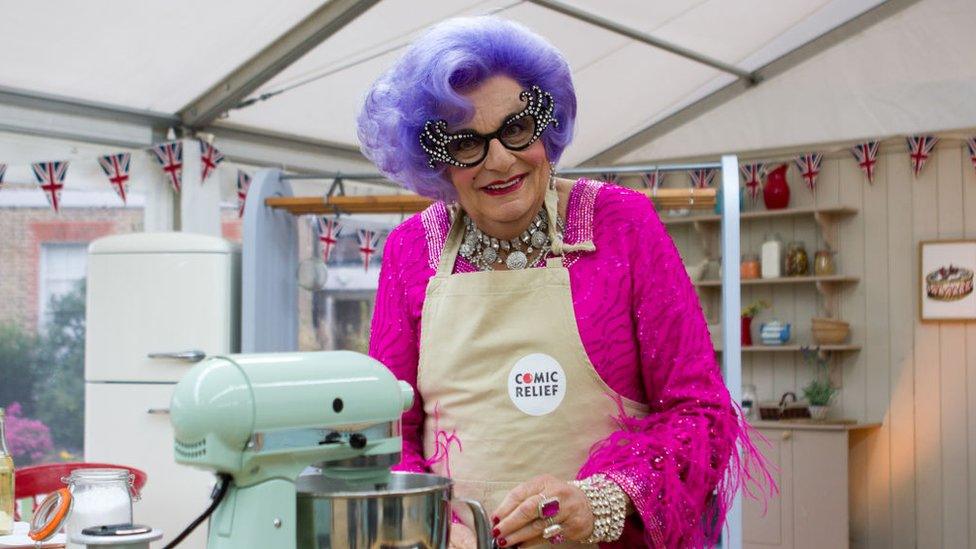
{"x":771,"y":255}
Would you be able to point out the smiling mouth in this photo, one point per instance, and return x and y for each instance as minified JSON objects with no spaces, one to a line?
{"x":505,"y":186}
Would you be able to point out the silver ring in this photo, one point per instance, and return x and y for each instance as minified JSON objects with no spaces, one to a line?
{"x":552,"y":531}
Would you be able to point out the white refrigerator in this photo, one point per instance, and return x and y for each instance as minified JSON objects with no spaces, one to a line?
{"x":157,"y":304}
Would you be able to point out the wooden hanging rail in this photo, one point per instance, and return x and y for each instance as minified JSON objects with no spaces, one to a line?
{"x":665,"y":199}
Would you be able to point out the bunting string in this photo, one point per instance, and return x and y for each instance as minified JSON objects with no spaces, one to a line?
{"x":866,"y":155}
{"x":50,"y":179}
{"x":701,"y":179}
{"x":919,"y":149}
{"x":753,"y":175}
{"x":210,"y":158}
{"x":116,"y":168}
{"x":243,"y":185}
{"x":809,"y":166}
{"x":368,"y":242}
{"x":170,"y":157}
{"x":328,"y":230}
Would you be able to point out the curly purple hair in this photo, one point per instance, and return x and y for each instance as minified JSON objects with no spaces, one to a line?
{"x":428,"y":80}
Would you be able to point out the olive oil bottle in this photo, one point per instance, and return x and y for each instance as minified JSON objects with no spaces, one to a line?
{"x":6,"y":483}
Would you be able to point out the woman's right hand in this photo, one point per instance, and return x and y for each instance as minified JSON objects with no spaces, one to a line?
{"x":462,"y":537}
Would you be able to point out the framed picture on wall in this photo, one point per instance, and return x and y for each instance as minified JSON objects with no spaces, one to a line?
{"x":946,"y":279}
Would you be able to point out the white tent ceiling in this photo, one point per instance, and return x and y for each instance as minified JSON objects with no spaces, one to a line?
{"x":161,"y":59}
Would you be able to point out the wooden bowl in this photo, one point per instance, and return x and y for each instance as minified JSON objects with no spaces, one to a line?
{"x":827,"y":331}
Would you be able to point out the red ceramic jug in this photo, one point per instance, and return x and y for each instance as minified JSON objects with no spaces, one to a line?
{"x":776,"y":192}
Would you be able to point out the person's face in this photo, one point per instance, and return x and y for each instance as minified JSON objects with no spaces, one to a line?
{"x":504,"y":192}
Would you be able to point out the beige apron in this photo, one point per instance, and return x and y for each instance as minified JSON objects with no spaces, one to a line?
{"x":503,"y":368}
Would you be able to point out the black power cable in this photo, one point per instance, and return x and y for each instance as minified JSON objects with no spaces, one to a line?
{"x":220,"y":490}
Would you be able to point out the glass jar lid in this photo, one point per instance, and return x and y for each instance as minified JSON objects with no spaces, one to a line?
{"x":96,"y":476}
{"x":50,"y":515}
{"x":99,"y":475}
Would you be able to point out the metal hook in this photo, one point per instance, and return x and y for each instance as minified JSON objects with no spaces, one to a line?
{"x":337,"y":185}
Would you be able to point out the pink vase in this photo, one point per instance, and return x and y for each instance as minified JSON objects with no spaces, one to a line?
{"x":746,"y":331}
{"x":776,"y":191}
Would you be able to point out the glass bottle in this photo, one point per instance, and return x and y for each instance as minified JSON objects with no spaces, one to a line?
{"x":100,"y":497}
{"x":823,"y":263}
{"x":748,"y":400}
{"x":797,"y":260}
{"x":6,"y":482}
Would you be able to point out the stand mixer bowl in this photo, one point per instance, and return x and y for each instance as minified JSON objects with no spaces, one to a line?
{"x":412,"y":511}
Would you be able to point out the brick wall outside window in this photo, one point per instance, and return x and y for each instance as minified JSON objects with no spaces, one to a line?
{"x":25,"y":230}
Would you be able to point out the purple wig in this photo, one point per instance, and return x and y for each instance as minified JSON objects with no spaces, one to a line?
{"x":427,"y":82}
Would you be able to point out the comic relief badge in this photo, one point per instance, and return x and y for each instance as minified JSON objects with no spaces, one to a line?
{"x":537,"y":384}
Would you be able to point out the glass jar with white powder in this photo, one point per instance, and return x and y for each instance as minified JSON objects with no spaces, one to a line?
{"x":100,"y":497}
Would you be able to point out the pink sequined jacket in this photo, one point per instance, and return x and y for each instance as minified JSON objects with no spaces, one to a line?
{"x":641,"y":325}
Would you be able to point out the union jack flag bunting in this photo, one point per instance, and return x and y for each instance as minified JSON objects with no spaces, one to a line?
{"x":170,"y":157}
{"x":328,"y":229}
{"x":116,"y":167}
{"x":368,"y":241}
{"x":3,"y":170}
{"x":809,"y":166}
{"x":971,"y":142}
{"x":652,"y":180}
{"x":866,"y":155}
{"x":243,"y":184}
{"x":210,"y":158}
{"x":50,"y":178}
{"x":753,"y":175}
{"x":919,"y":149}
{"x":609,"y":177}
{"x":701,"y":179}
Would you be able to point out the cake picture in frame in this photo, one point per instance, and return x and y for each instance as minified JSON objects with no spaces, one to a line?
{"x":946,"y":275}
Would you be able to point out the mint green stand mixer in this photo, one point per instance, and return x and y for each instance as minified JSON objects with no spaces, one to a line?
{"x":308,"y":440}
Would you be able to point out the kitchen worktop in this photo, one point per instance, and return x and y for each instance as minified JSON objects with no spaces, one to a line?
{"x":809,"y":424}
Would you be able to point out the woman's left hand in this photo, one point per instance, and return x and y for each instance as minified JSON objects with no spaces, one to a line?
{"x":518,"y":520}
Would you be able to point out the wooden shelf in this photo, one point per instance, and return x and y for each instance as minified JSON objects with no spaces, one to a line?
{"x":836,"y":211}
{"x":809,"y":424}
{"x":301,"y":205}
{"x":832,"y":279}
{"x":796,"y":348}
{"x":676,"y":199}
{"x":412,"y":203}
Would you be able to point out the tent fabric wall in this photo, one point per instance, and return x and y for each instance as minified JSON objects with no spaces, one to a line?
{"x":912,"y":73}
{"x":160,"y":61}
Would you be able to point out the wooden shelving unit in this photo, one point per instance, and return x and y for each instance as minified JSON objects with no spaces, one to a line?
{"x":827,"y":286}
{"x":796,"y":348}
{"x":835,"y":212}
{"x":830,"y":287}
{"x":695,"y":199}
{"x":819,"y":280}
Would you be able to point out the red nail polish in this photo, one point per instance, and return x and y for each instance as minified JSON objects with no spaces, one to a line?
{"x":495,"y":520}
{"x":502,"y":542}
{"x":495,"y":533}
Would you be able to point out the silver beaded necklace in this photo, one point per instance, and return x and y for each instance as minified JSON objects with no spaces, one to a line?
{"x":526,"y":249}
{"x":486,"y":251}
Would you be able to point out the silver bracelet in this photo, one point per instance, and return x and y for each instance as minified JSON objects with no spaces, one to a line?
{"x":609,"y":505}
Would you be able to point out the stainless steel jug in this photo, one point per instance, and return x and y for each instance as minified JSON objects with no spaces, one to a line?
{"x":413,"y":511}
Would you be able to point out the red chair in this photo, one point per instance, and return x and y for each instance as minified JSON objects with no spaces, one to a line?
{"x":39,"y":480}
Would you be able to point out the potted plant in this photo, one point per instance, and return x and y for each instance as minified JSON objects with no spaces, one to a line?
{"x":748,"y":313}
{"x":820,"y":390}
